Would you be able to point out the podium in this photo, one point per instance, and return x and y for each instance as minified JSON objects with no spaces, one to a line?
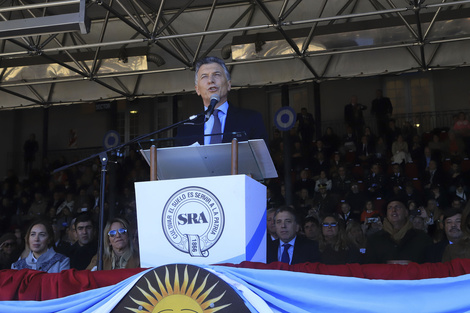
{"x":196,"y":213}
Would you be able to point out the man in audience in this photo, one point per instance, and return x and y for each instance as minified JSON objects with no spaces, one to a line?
{"x":452,"y":220}
{"x":342,"y":183}
{"x":291,"y":248}
{"x":375,"y":182}
{"x":397,"y":242}
{"x":86,"y":246}
{"x":347,"y":215}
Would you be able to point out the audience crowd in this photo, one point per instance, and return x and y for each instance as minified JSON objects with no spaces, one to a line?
{"x":359,"y":197}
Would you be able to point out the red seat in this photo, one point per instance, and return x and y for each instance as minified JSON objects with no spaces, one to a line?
{"x":411,"y":170}
{"x":379,"y":205}
{"x":350,"y":157}
{"x":417,"y":184}
{"x":358,"y":172}
{"x":465,"y":166}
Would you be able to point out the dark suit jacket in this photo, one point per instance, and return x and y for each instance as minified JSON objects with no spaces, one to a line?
{"x":305,"y":250}
{"x":237,"y":120}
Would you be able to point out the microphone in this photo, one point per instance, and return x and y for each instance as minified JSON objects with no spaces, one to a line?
{"x":214,"y":100}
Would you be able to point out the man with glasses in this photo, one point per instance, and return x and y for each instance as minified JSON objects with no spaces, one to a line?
{"x":291,"y":248}
{"x":451,"y":221}
{"x":86,"y":246}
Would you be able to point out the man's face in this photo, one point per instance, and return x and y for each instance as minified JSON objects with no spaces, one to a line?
{"x":452,"y":227}
{"x":211,"y":80}
{"x":271,"y":224}
{"x":345,"y":208}
{"x":397,"y":214}
{"x":286,"y":226}
{"x":84,"y":232}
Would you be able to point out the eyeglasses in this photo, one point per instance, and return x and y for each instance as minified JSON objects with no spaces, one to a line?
{"x":8,"y":244}
{"x":114,"y":232}
{"x":330,"y":224}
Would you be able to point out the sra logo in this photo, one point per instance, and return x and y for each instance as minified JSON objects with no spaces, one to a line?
{"x":193,"y":220}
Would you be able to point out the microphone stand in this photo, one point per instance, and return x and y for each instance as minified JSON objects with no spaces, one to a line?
{"x":104,"y":161}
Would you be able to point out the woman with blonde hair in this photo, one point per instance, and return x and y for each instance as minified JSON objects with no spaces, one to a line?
{"x":119,"y":249}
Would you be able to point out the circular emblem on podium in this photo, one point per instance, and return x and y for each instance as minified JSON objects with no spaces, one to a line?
{"x":193,"y":220}
{"x":285,"y":118}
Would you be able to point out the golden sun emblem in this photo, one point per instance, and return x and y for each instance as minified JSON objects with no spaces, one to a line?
{"x":184,"y":298}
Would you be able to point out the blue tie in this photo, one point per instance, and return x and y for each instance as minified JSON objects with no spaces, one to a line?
{"x":285,"y":258}
{"x":216,"y":129}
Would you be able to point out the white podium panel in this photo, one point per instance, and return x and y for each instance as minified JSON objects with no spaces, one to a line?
{"x":206,"y":220}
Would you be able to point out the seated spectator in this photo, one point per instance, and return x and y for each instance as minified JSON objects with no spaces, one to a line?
{"x":42,"y":257}
{"x":372,"y":225}
{"x":416,"y":148}
{"x":375,"y":182}
{"x":346,"y":214}
{"x":371,"y":138}
{"x":461,"y":249}
{"x":400,"y":152}
{"x":436,"y":147}
{"x":396,"y":178}
{"x":461,"y":193}
{"x":357,"y":238}
{"x":432,"y":175}
{"x":330,"y":140}
{"x":454,"y":146}
{"x":271,"y":225}
{"x":119,"y":249}
{"x":312,"y":228}
{"x":398,"y":242}
{"x":349,"y":140}
{"x":335,"y":164}
{"x":341,"y":184}
{"x":325,"y":201}
{"x":304,"y":182}
{"x":334,"y":246}
{"x":323,"y":180}
{"x":369,"y":211}
{"x":318,"y":164}
{"x":86,"y":246}
{"x":303,"y":202}
{"x":356,"y":198}
{"x":9,"y":251}
{"x":452,"y":222}
{"x":365,"y":152}
{"x":291,"y":248}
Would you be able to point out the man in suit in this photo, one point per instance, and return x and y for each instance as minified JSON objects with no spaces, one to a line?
{"x":291,"y":248}
{"x":213,"y":78}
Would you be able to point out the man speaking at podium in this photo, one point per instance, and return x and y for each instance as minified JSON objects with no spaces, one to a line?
{"x":212,"y":83}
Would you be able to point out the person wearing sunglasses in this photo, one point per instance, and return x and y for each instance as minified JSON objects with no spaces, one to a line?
{"x":334,"y":246}
{"x":119,"y":251}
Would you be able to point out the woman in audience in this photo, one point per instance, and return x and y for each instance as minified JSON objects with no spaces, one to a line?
{"x":357,"y":238}
{"x":334,"y":246}
{"x":400,"y":151}
{"x":42,"y":257}
{"x":119,"y":249}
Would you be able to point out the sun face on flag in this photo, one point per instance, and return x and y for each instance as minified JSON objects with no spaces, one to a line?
{"x":173,"y":295}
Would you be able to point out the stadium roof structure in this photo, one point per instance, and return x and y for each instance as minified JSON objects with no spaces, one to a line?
{"x":71,"y":51}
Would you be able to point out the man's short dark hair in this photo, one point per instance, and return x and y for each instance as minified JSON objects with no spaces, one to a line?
{"x":288,"y":208}
{"x":84,"y":217}
{"x":209,"y":60}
